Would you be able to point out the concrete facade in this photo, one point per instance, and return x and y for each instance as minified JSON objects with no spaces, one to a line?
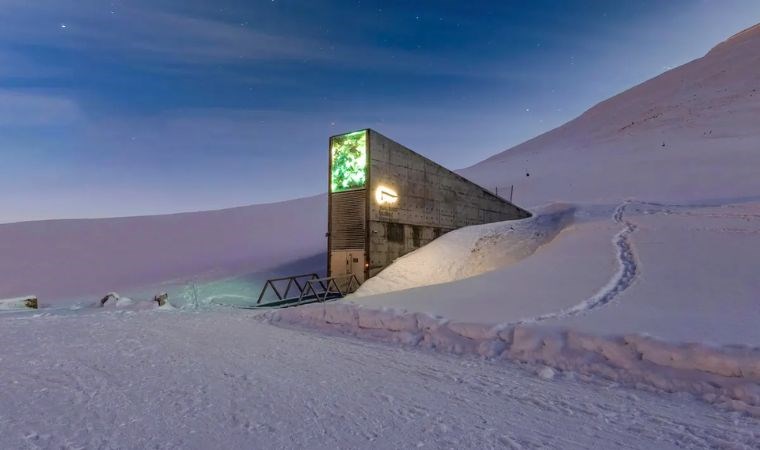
{"x":432,"y":200}
{"x":428,"y":200}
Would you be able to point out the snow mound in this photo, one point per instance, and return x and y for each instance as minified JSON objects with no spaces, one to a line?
{"x":127,"y":303}
{"x":546,"y":373}
{"x":471,"y":251}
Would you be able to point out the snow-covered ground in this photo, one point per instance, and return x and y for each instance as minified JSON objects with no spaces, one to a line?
{"x":697,"y":276}
{"x":170,"y":379}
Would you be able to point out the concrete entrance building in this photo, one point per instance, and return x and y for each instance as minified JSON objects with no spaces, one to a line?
{"x":386,"y":200}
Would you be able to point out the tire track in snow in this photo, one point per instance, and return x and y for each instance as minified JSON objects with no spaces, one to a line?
{"x":620,"y":281}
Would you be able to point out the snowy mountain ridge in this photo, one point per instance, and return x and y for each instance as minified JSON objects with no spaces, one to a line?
{"x":742,"y":36}
{"x":689,"y":134}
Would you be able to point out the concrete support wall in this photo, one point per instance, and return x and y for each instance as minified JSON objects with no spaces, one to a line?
{"x":432,"y":200}
{"x":384,"y":250}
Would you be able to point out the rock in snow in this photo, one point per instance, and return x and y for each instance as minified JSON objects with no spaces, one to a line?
{"x":23,"y":302}
{"x":546,"y":373}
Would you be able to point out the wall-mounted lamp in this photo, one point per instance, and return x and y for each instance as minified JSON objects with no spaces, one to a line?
{"x":385,"y":195}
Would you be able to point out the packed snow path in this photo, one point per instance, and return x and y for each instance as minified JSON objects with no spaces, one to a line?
{"x":165,"y":379}
{"x":621,"y":280}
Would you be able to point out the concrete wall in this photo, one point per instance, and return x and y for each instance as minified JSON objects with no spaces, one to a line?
{"x":432,"y":200}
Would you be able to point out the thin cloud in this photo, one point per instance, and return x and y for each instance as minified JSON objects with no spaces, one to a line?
{"x":177,"y":42}
{"x":154,"y":36}
{"x":19,"y":109}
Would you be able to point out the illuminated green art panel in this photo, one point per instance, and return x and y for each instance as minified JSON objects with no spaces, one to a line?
{"x":349,"y":161}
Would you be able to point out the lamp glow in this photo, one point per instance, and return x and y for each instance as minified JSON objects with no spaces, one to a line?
{"x":385,"y":195}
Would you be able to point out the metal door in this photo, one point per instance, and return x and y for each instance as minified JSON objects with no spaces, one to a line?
{"x":346,"y":262}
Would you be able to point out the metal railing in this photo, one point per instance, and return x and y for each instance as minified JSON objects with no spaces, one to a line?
{"x":332,"y":289}
{"x":293,"y":281}
{"x":306,"y":288}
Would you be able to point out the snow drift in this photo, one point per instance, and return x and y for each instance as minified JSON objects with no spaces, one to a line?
{"x":471,"y":251}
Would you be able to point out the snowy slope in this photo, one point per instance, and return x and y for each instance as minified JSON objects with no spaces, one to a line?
{"x":60,"y":259}
{"x":689,"y":134}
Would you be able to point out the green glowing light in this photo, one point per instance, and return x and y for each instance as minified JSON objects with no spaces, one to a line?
{"x":349,"y":161}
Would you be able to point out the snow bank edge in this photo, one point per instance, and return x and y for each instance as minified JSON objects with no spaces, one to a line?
{"x":727,"y":376}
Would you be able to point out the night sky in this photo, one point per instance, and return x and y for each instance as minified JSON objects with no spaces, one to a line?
{"x":142,"y":107}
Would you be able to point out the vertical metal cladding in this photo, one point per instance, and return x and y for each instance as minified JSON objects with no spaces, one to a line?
{"x":348,"y":220}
